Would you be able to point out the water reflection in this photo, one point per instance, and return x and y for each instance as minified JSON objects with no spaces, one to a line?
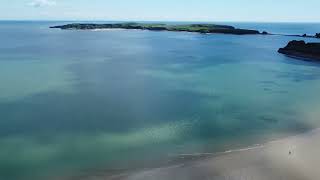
{"x":82,"y":101}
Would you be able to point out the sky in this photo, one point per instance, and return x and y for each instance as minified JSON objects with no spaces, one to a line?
{"x":163,"y":10}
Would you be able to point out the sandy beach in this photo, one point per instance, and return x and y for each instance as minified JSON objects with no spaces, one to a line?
{"x":293,"y":158}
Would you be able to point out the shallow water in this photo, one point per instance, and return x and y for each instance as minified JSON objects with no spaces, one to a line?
{"x":76,"y":102}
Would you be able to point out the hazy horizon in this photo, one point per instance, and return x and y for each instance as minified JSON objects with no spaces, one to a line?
{"x":155,"y":21}
{"x":143,"y":10}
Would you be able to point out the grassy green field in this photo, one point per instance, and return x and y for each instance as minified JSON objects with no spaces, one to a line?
{"x":200,"y":28}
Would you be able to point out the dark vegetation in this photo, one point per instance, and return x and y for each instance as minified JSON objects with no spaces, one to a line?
{"x":200,"y":28}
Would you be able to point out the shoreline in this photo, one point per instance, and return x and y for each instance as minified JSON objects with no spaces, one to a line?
{"x":293,"y":158}
{"x":198,"y":28}
{"x":192,"y":28}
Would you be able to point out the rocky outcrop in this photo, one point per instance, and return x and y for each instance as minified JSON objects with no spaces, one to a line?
{"x":300,"y":49}
{"x":302,"y":36}
{"x":309,"y":36}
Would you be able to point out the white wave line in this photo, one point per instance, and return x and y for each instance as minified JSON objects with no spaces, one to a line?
{"x":258,"y":146}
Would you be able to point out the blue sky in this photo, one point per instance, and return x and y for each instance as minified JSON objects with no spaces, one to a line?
{"x":162,"y":10}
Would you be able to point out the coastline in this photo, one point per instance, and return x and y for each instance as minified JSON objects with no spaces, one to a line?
{"x":194,"y":28}
{"x":292,"y":158}
{"x":198,"y":28}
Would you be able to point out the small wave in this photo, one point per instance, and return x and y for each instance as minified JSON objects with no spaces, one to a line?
{"x":113,"y":29}
{"x":257,"y":146}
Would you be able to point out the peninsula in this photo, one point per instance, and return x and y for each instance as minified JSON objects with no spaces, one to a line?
{"x":317,"y":35}
{"x":301,"y":49}
{"x":199,"y":28}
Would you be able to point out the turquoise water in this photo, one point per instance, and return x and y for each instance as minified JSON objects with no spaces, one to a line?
{"x":77,"y":102}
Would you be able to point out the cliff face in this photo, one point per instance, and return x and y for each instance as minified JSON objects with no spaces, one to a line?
{"x":300,"y":49}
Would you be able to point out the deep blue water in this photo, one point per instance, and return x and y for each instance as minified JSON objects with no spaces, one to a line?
{"x":76,"y":102}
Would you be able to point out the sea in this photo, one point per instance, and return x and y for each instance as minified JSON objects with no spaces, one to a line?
{"x":78,"y":103}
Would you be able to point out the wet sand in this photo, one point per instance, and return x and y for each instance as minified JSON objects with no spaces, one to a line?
{"x":293,"y":158}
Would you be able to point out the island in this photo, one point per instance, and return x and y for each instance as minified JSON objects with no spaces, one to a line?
{"x":199,"y":28}
{"x":301,"y":49}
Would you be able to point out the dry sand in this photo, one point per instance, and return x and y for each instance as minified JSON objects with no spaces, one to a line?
{"x":293,"y":158}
